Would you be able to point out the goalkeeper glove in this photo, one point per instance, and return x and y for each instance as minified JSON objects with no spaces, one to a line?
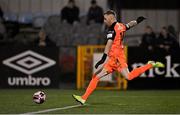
{"x":140,"y":19}
{"x":101,"y":61}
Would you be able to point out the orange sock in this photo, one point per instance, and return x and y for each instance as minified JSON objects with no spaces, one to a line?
{"x":92,"y":86}
{"x":138,"y":71}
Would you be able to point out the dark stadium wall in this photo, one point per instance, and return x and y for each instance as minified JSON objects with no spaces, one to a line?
{"x":150,"y":4}
{"x":154,"y":10}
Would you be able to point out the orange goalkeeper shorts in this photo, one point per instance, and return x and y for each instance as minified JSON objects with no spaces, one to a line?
{"x":115,"y":63}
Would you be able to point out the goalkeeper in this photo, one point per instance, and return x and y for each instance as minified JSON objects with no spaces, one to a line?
{"x":114,"y":49}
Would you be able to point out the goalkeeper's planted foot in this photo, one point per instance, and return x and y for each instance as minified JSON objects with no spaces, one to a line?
{"x":79,"y":99}
{"x":156,"y":64}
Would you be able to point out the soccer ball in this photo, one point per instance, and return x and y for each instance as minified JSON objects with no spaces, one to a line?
{"x":39,"y":97}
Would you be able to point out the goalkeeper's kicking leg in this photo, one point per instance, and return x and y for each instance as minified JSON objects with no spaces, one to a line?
{"x":125,"y":72}
{"x":138,"y":71}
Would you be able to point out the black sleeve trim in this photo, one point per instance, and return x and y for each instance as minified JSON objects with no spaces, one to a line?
{"x":111,"y":35}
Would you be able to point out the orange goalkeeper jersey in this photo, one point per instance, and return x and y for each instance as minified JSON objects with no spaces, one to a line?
{"x":116,"y":33}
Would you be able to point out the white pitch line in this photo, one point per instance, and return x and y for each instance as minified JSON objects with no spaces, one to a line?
{"x":50,"y":110}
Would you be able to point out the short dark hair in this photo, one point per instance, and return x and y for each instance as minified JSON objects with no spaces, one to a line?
{"x":110,"y":12}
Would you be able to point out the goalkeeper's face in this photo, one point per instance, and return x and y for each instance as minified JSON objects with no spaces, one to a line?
{"x":109,"y":19}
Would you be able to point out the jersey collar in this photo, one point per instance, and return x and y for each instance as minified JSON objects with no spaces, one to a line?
{"x":112,"y":26}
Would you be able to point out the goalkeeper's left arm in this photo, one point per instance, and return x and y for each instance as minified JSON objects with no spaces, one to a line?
{"x":135,"y":22}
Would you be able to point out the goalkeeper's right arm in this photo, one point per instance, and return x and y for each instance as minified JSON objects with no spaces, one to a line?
{"x":134,"y":22}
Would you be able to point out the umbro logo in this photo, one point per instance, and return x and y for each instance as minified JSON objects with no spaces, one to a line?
{"x":29,"y":62}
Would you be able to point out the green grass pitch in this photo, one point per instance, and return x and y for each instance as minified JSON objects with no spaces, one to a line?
{"x":100,"y":102}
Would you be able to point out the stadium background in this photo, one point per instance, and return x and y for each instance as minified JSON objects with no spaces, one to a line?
{"x":66,"y":63}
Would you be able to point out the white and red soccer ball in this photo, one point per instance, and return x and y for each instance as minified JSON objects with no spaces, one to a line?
{"x":39,"y":97}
